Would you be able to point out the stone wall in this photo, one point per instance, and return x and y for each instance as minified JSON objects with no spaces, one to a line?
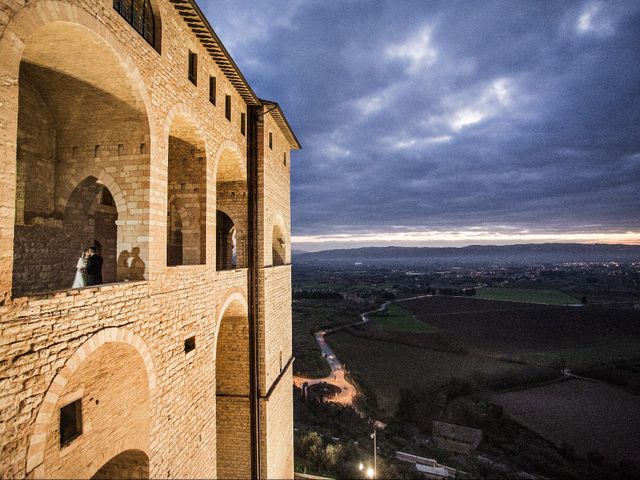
{"x":233,"y":458}
{"x":231,"y":198}
{"x":64,"y":126}
{"x":278,"y":424}
{"x":275,"y":180}
{"x":36,"y":155}
{"x":275,"y":327}
{"x":113,"y":387}
{"x":187,"y":189}
{"x":130,"y":464}
{"x":114,"y":102}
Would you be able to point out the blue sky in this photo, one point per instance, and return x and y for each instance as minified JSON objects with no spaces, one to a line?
{"x":449,"y":123}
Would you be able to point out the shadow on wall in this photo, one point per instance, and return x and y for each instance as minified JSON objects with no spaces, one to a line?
{"x":278,"y":246}
{"x":130,"y":266}
{"x":131,"y":464}
{"x":73,"y":120}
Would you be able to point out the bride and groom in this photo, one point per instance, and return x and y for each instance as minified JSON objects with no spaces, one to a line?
{"x":88,"y":269}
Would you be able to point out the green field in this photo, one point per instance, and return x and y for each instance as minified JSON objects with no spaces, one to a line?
{"x":388,"y":367}
{"x":399,"y":319}
{"x":526,"y":295}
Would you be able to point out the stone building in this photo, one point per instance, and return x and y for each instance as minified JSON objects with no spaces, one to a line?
{"x":126,"y":125}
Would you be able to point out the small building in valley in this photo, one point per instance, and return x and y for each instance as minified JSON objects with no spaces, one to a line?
{"x":456,"y":438}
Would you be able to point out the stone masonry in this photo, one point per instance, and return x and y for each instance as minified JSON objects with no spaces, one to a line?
{"x":106,"y":141}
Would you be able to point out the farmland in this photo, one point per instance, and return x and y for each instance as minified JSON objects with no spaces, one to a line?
{"x":399,"y":319}
{"x":469,"y":338}
{"x":388,"y":367}
{"x":587,"y":415}
{"x":492,"y":363}
{"x":538,"y":334}
{"x":505,"y":346}
{"x":526,"y":295}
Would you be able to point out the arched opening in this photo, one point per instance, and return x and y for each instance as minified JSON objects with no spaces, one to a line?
{"x":231,"y":215}
{"x":78,"y":118}
{"x":133,"y":464}
{"x":232,"y":394}
{"x":226,"y":242}
{"x":174,"y":236}
{"x":278,"y":246}
{"x":110,"y":392}
{"x":89,"y":221}
{"x":187,"y":186}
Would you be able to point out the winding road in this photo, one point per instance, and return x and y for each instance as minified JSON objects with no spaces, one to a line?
{"x":337,"y":377}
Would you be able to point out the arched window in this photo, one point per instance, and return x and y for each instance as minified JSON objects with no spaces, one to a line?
{"x":226,"y":252}
{"x":140,"y":16}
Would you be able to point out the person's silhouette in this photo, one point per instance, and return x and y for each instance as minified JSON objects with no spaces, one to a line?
{"x":94,"y":268}
{"x":136,"y":266}
{"x":123,"y":265}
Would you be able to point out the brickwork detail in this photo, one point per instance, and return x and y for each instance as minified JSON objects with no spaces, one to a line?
{"x":278,"y":434}
{"x":130,"y":464}
{"x":231,"y":200}
{"x":104,"y":140}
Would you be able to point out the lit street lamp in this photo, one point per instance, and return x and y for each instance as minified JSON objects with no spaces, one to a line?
{"x":372,"y":472}
{"x":375,"y":457}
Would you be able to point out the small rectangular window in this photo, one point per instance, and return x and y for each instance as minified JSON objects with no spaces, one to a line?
{"x":284,"y":158}
{"x":189,"y":344}
{"x":227,"y":107}
{"x":271,"y":140}
{"x":70,"y":422}
{"x":193,"y":68}
{"x":212,"y":90}
{"x":243,"y":120}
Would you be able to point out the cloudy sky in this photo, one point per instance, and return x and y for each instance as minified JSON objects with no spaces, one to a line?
{"x":433,"y":123}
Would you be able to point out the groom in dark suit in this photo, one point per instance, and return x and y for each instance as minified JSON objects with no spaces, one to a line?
{"x":94,"y":268}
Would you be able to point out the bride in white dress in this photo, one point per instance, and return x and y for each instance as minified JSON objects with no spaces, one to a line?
{"x":80,"y":279}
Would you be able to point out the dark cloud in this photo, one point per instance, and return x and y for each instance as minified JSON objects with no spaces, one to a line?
{"x":450,"y":115}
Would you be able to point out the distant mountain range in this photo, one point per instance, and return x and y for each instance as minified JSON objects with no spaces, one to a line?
{"x":474,"y":254}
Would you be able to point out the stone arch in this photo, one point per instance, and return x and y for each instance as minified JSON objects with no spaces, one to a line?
{"x":233,"y":295}
{"x":175,"y":227}
{"x":184,"y":215}
{"x":90,"y":221}
{"x":279,"y":241}
{"x":30,"y":18}
{"x":130,"y":463}
{"x":60,"y":55}
{"x":186,"y":148}
{"x":232,"y":387}
{"x":226,"y":242}
{"x":36,"y":447}
{"x":230,"y":175}
{"x":15,"y":37}
{"x":70,"y":185}
{"x":230,"y":147}
{"x":183,"y":111}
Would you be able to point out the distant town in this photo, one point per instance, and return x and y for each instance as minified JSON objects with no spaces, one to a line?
{"x":453,"y":366}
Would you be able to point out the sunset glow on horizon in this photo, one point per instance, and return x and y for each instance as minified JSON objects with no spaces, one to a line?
{"x":456,"y":238}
